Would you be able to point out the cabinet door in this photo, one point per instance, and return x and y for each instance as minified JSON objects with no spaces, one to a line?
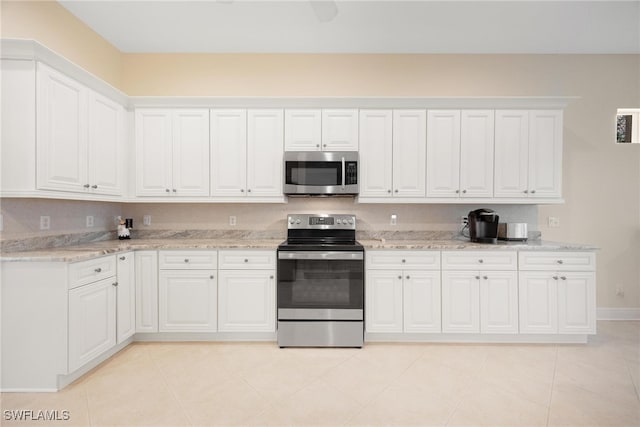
{"x":146,"y":272}
{"x":499,"y":302}
{"x":421,"y":295}
{"x":228,"y":153}
{"x":576,"y":303}
{"x":190,"y":153}
{"x":106,"y":155}
{"x":302,"y":130}
{"x":247,"y":301}
{"x":383,"y":301}
{"x":61,"y":132}
{"x":409,"y":152}
{"x":443,"y":153}
{"x":187,"y":300}
{"x":460,"y":302}
{"x":545,"y":153}
{"x":126,"y":296}
{"x":153,"y":152}
{"x":92,"y":321}
{"x":511,"y":153}
{"x":538,"y":302}
{"x":476,"y":153}
{"x":340,"y":130}
{"x":264,"y":153}
{"x":376,"y":161}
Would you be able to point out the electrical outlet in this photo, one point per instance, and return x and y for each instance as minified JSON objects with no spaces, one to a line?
{"x":553,"y":222}
{"x":232,"y":220}
{"x":146,"y":220}
{"x":394,"y":219}
{"x":89,"y":221}
{"x":45,"y":222}
{"x":116,"y":220}
{"x":464,"y":222}
{"x":620,"y":291}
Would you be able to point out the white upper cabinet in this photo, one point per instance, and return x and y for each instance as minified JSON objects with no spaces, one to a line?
{"x":303,"y":130}
{"x":392,"y":153}
{"x":172,"y":152}
{"x":409,"y":152}
{"x":376,"y":151}
{"x":246,"y":153}
{"x":443,"y":153}
{"x":340,"y":129}
{"x":264,"y":153}
{"x":79,"y":136}
{"x":460,"y":153}
{"x":528,"y":154}
{"x":228,"y":152}
{"x":476,"y":153}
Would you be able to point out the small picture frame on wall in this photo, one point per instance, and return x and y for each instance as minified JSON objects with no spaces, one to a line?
{"x":627,"y":126}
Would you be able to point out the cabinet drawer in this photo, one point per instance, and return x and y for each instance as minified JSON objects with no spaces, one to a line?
{"x":83,"y":272}
{"x":188,"y":260}
{"x":557,"y":261}
{"x":406,"y":260}
{"x":479,"y":260}
{"x":247,"y":260}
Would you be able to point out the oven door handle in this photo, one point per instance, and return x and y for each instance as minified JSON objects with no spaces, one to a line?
{"x":320,"y":255}
{"x":343,"y":172}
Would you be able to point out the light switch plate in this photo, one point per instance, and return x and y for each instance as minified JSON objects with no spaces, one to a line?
{"x":45,"y":222}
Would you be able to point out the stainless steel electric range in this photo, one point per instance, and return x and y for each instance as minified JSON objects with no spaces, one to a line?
{"x":321,"y":283}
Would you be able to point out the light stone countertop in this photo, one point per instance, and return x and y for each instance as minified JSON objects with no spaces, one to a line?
{"x":96,"y":249}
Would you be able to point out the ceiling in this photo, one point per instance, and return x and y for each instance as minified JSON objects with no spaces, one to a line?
{"x":303,"y":26}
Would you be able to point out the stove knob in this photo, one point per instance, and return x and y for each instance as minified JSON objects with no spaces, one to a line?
{"x":350,"y":221}
{"x":292,"y":221}
{"x":297,"y":221}
{"x":338,"y":221}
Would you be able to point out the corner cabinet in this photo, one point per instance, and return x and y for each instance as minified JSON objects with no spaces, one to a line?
{"x":246,"y":153}
{"x":79,"y":136}
{"x":172,"y":152}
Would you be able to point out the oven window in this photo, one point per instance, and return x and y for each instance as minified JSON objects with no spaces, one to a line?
{"x":320,"y":284}
{"x":313,"y":173}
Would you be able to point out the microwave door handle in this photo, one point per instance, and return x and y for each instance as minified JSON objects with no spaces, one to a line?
{"x":343,"y":173}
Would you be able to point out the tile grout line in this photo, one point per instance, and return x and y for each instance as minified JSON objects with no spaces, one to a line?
{"x":553,"y":384}
{"x":635,"y":387}
{"x":459,"y":401}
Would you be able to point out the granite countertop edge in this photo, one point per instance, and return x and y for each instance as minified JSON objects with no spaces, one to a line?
{"x":108,"y":247}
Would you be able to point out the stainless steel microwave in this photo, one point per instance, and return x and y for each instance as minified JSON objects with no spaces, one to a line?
{"x":320,"y":173}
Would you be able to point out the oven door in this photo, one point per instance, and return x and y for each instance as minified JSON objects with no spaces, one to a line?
{"x":320,"y":285}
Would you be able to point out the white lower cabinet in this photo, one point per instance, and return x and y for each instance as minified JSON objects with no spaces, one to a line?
{"x":405,"y":298}
{"x":146,"y":273}
{"x":188,"y":291}
{"x":92,"y":321}
{"x":483,"y":300}
{"x":187,"y":300}
{"x":247,"y":291}
{"x":557,"y":292}
{"x":126,"y":296}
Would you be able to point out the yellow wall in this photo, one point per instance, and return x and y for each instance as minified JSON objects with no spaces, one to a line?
{"x":56,"y":28}
{"x":601,"y":183}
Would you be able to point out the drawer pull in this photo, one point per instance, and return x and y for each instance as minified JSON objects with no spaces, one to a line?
{"x":408,"y":277}
{"x":560,"y":261}
{"x":115,"y":284}
{"x":211,"y":277}
{"x":477,"y":277}
{"x":271,"y":277}
{"x":122,"y":258}
{"x":98,"y":270}
{"x":404,"y":260}
{"x":485,"y":277}
{"x":400,"y":277}
{"x":94,"y":186}
{"x":166,"y":190}
{"x":186,"y":260}
{"x":480,"y":260}
{"x":563,"y":277}
{"x":555,"y":277}
{"x":246,"y":260}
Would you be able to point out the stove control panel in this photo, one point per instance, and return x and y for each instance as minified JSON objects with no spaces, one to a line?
{"x":321,"y":221}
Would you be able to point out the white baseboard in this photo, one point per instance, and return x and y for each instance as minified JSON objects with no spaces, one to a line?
{"x":611,"y":313}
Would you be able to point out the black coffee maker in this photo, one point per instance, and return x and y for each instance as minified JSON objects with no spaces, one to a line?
{"x":483,"y":226}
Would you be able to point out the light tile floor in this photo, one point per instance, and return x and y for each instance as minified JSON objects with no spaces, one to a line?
{"x":201,"y":384}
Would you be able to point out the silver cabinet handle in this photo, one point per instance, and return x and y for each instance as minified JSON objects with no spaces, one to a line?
{"x":400,"y":277}
{"x":533,"y":191}
{"x":404,"y":260}
{"x":174,"y":190}
{"x":526,"y":191}
{"x":396,"y":190}
{"x":480,"y":260}
{"x":94,"y":186}
{"x":457,"y":191}
{"x":325,"y":145}
{"x":186,"y":260}
{"x":86,"y":186}
{"x":211,"y":277}
{"x":248,"y":190}
{"x":477,"y":277}
{"x":166,"y":190}
{"x":485,"y":277}
{"x":555,"y":277}
{"x":464,"y":191}
{"x":563,"y":277}
{"x":123,"y":258}
{"x":317,"y":145}
{"x":115,"y":284}
{"x":98,"y":270}
{"x":389,"y":191}
{"x":560,"y":261}
{"x":242,"y":190}
{"x":246,"y":260}
{"x":271,"y":277}
{"x":408,"y":277}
